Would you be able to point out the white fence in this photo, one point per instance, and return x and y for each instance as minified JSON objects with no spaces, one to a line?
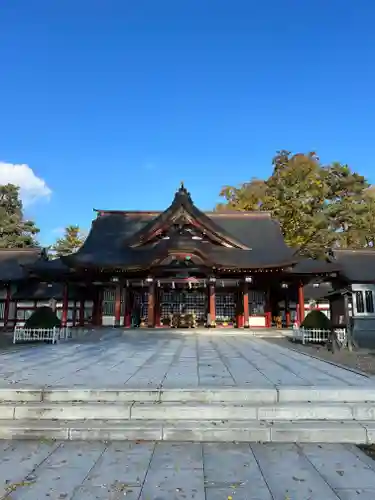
{"x":314,"y":335}
{"x":52,"y":335}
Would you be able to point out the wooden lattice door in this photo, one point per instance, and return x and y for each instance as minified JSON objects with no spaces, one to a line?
{"x":225,"y":307}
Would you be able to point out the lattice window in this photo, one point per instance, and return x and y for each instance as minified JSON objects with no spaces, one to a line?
{"x":141,"y":300}
{"x":359,"y":302}
{"x":369,"y":301}
{"x":225,"y":306}
{"x":257,"y":301}
{"x":108,"y":303}
{"x":189,"y":302}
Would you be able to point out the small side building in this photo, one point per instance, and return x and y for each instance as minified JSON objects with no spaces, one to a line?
{"x":352,"y":299}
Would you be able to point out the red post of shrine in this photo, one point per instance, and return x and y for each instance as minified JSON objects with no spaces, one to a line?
{"x":151,"y":304}
{"x":246,"y":305}
{"x":239,"y":309}
{"x":127,"y":308}
{"x":287,"y":313}
{"x":82,"y":312}
{"x":212,"y":305}
{"x":268,"y":309}
{"x":301,"y":303}
{"x":64,"y":316}
{"x":7,"y":304}
{"x":97,"y":308}
{"x":118,"y":305}
{"x":157,"y":307}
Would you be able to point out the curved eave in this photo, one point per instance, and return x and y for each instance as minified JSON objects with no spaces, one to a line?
{"x":282,"y":266}
{"x":311,"y":267}
{"x":48,"y":268}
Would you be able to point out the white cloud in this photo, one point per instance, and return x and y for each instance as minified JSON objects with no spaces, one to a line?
{"x":32,"y":187}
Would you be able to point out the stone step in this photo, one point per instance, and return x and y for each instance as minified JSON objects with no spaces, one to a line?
{"x":257,"y":395}
{"x":191,"y":431}
{"x":188,"y":411}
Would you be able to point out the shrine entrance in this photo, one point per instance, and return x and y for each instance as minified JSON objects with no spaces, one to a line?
{"x":182,"y":306}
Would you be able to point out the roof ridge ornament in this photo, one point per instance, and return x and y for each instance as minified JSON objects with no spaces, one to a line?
{"x":182,"y":191}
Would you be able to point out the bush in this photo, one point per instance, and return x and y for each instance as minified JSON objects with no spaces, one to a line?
{"x":43,"y":317}
{"x":316,"y":320}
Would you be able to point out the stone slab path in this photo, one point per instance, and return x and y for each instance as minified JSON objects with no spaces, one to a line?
{"x":147,"y":360}
{"x":163,"y":471}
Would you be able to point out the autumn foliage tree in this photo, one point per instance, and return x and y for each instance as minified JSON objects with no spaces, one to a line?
{"x":15,"y":230}
{"x":318,"y":206}
{"x":72,"y":240}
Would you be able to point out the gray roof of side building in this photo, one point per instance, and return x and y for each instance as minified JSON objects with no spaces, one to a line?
{"x":13,"y":262}
{"x":320,"y":292}
{"x":357,"y":266}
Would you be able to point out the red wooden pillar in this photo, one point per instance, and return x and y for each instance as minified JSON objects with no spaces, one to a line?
{"x":246,"y":305}
{"x":82,"y":312}
{"x":127,"y":308}
{"x":157,"y":307}
{"x":74,"y":316}
{"x":97,"y":309}
{"x":118,"y":305}
{"x":287,"y":313}
{"x":301,"y":303}
{"x":239,"y":309}
{"x":7,"y":304}
{"x":268,"y":309}
{"x":212,"y":305}
{"x":64,"y":317}
{"x":151,"y":305}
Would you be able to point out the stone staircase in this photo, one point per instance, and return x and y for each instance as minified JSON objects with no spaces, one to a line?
{"x":295,"y":414}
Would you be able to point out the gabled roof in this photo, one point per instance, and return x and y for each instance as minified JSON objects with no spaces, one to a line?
{"x":130,"y":239}
{"x":12,"y":262}
{"x":183,"y":210}
{"x":357,"y":266}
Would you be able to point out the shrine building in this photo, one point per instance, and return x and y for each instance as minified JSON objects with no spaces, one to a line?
{"x":180,"y":267}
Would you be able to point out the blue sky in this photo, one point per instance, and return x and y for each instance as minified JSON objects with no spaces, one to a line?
{"x":112,"y":102}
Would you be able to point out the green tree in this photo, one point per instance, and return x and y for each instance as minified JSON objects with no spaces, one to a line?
{"x":318,"y":206}
{"x":72,"y":240}
{"x":248,"y":196}
{"x":368,"y":230}
{"x":296,"y":195}
{"x":15,"y":231}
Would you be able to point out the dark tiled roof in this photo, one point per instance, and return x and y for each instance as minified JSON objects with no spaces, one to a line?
{"x":357,"y":266}
{"x":12,"y":262}
{"x":315,"y":266}
{"x":257,"y":236}
{"x":312,"y":292}
{"x":48,"y":267}
{"x":181,"y":210}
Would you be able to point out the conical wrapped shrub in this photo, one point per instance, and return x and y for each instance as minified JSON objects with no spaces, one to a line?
{"x":43,"y":317}
{"x":316,"y":320}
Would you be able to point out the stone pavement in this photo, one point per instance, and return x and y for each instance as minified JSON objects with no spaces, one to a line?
{"x":164,"y":359}
{"x":164,"y":471}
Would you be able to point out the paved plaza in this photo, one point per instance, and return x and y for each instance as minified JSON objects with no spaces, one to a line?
{"x":171,"y":471}
{"x":157,"y":359}
{"x":147,"y":470}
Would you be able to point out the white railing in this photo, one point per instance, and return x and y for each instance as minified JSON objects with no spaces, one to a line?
{"x":315,"y":335}
{"x":52,"y":335}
